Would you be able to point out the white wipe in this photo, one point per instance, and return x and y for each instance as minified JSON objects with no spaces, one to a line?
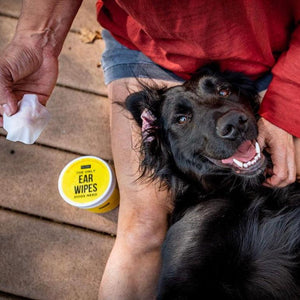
{"x":28,"y":123}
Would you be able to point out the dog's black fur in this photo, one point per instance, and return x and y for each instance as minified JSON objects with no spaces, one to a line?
{"x":230,"y":236}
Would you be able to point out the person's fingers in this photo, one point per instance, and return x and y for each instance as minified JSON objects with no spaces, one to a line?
{"x":281,"y":177}
{"x":297,"y":157}
{"x":284,"y":168}
{"x":279,"y":171}
{"x":261,"y":140}
{"x":8,"y":103}
{"x":281,"y":147}
{"x":292,"y":171}
{"x":10,"y":107}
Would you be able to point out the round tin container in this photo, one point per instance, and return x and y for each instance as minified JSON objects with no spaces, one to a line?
{"x":88,"y":182}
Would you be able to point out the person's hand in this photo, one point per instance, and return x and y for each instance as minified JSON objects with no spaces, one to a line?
{"x":280,"y":145}
{"x":25,"y":68}
{"x":297,"y":155}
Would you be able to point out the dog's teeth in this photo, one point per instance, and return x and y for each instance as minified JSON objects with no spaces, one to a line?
{"x":246,"y":165}
{"x":238,"y":163}
{"x":257,"y":148}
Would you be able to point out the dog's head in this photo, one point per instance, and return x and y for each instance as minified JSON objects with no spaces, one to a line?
{"x":206,"y":125}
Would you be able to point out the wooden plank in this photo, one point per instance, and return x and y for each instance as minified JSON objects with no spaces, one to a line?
{"x":86,"y":17}
{"x":29,"y":175}
{"x":80,"y":65}
{"x":7,"y":29}
{"x":79,"y":123}
{"x":11,"y":7}
{"x":45,"y":260}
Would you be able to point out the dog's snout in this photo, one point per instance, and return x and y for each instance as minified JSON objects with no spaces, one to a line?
{"x":232,"y":124}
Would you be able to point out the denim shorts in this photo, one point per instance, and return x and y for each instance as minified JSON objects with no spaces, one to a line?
{"x":120,"y":62}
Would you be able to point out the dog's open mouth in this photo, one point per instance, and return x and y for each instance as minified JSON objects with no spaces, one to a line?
{"x":248,"y":155}
{"x":247,"y":159}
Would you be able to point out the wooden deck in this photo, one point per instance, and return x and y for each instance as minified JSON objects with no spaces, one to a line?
{"x":48,"y":249}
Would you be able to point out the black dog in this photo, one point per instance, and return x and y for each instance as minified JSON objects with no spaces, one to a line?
{"x":230,"y":236}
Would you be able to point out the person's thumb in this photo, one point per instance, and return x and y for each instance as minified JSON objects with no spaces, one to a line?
{"x":9,"y":103}
{"x":261,"y":139}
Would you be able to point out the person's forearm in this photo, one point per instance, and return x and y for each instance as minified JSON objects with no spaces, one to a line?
{"x":46,"y":22}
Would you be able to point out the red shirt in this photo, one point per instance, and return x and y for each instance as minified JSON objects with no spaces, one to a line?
{"x":249,"y":36}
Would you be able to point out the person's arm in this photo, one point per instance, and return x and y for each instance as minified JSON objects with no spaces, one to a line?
{"x":29,"y":63}
{"x":46,"y":22}
{"x":280,"y":111}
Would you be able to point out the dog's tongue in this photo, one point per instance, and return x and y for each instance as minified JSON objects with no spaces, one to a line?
{"x":245,"y":152}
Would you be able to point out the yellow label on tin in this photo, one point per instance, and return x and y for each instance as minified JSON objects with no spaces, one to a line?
{"x":109,"y":205}
{"x":85,"y":180}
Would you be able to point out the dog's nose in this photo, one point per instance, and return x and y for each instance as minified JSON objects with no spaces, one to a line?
{"x":232,"y":124}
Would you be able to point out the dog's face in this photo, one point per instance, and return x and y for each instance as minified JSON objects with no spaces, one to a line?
{"x":208,"y":121}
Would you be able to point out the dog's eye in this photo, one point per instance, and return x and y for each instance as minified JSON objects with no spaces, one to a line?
{"x":224,"y":92}
{"x":182,"y":119}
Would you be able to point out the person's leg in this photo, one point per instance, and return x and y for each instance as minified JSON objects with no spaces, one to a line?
{"x":133,"y":266}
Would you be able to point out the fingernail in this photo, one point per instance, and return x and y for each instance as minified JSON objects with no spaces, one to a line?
{"x":6,"y":109}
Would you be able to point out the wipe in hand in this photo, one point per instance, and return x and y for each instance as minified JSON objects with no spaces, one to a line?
{"x":28,"y":123}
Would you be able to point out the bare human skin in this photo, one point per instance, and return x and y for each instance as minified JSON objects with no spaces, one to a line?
{"x":280,"y":144}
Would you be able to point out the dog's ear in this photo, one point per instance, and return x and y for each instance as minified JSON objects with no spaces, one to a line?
{"x":136,"y":103}
{"x":242,"y":83}
{"x":145,"y":107}
{"x":210,"y":69}
{"x":148,"y":97}
{"x":244,"y":86}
